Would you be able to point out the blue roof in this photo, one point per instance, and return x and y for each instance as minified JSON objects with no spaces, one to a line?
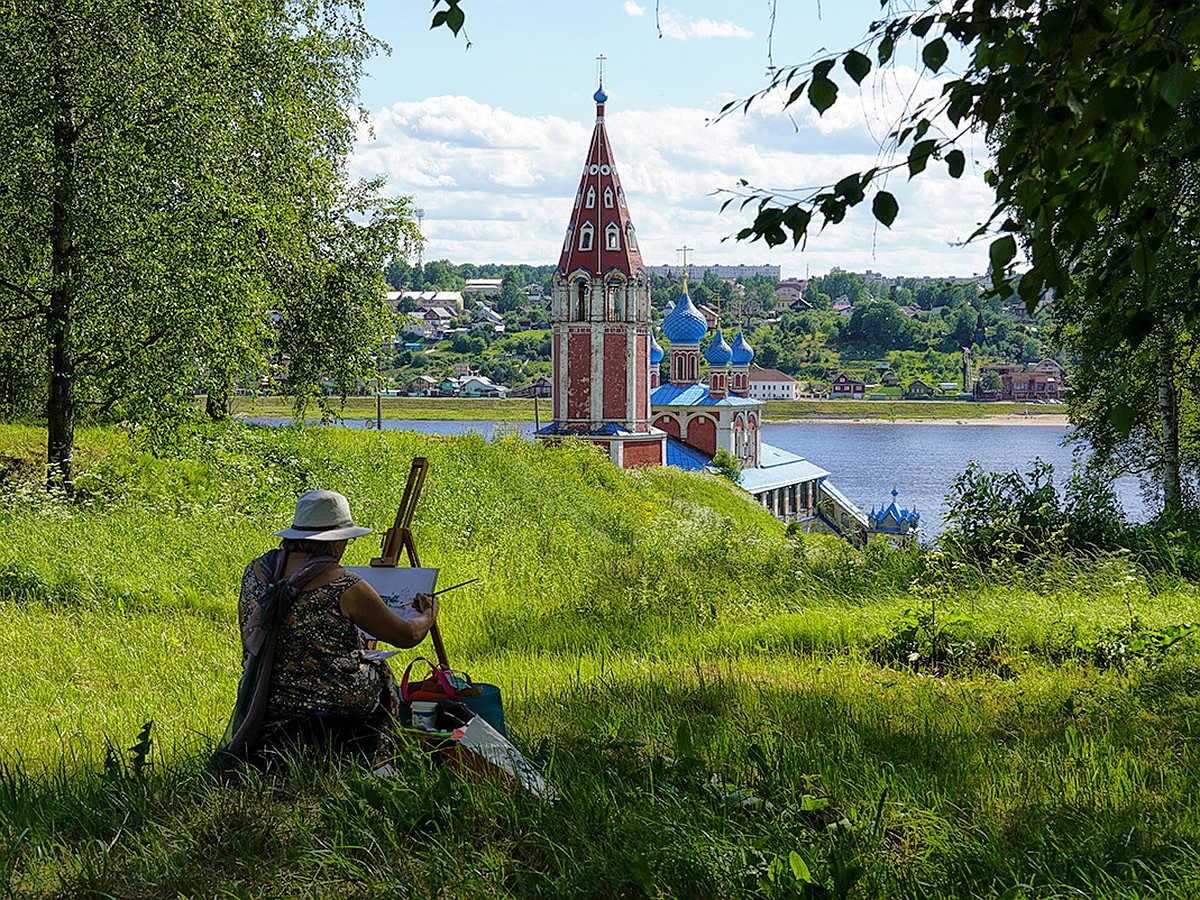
{"x":718,"y":352}
{"x":695,"y":395}
{"x":600,"y":96}
{"x":685,"y":324}
{"x":607,"y":429}
{"x":742,"y":352}
{"x":778,"y":468}
{"x":681,"y":456}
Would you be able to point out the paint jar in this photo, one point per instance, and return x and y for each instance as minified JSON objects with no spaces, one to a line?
{"x":424,"y":714}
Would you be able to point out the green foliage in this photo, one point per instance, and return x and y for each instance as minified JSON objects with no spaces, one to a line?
{"x":727,"y":465}
{"x":1133,"y":399}
{"x":1000,"y":518}
{"x":1118,"y":647}
{"x":1004,"y":517}
{"x":1072,"y":97}
{"x":173,"y":184}
{"x":877,"y":327}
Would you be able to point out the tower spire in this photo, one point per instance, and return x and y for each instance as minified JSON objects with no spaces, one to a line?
{"x":600,"y":235}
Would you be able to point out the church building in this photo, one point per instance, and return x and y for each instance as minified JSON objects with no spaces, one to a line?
{"x":702,"y":419}
{"x":606,"y":365}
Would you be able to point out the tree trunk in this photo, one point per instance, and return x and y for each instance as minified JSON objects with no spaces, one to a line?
{"x":216,"y":403}
{"x":60,"y":404}
{"x":1168,"y":420}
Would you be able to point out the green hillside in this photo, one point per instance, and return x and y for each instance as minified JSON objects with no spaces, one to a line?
{"x":726,"y":711}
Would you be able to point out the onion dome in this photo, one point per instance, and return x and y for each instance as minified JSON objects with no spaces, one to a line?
{"x":685,"y":324}
{"x":742,"y":352}
{"x":600,"y":96}
{"x":656,"y":352}
{"x":718,"y":352}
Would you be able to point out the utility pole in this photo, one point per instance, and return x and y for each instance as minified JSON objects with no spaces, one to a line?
{"x":379,"y":390}
{"x":421,"y":249}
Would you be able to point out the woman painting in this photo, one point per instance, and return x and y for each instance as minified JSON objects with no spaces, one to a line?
{"x":305,"y":673}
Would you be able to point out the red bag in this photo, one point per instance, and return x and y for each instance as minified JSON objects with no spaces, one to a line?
{"x":441,"y":684}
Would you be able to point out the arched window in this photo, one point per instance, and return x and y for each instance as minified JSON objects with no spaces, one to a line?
{"x":615,"y":290}
{"x":608,"y":198}
{"x":612,"y":236}
{"x":630,"y":237}
{"x":581,"y":301}
{"x":578,"y":197}
{"x":591,"y":197}
{"x":585,"y":237}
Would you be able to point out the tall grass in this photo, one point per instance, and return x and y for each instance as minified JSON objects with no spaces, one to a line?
{"x":725,"y":711}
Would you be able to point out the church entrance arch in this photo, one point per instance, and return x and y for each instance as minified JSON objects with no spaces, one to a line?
{"x":702,"y":434}
{"x":668,"y":424}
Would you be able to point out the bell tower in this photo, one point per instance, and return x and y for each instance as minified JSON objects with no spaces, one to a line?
{"x":600,"y":318}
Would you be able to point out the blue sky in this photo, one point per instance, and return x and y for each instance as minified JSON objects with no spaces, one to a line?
{"x":488,"y":139}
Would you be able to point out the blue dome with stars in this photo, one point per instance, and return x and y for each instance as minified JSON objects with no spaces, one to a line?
{"x":742,"y":352}
{"x":718,"y":352}
{"x":685,"y":324}
{"x":656,"y":352}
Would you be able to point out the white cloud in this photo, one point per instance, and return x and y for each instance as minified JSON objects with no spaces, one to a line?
{"x":632,"y":9}
{"x":683,"y":28}
{"x":498,"y":187}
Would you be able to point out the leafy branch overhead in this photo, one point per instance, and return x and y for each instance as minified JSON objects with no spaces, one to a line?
{"x":451,"y":17}
{"x":1071,"y":97}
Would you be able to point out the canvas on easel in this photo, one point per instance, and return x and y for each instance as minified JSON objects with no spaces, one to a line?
{"x":399,"y":537}
{"x":397,"y":586}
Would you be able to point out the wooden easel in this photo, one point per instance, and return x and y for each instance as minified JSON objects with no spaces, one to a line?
{"x":399,"y":537}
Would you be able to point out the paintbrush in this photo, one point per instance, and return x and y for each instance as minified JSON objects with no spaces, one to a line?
{"x":453,"y":586}
{"x":443,"y":590}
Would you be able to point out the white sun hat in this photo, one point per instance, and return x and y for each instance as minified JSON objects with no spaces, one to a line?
{"x":322,"y":516}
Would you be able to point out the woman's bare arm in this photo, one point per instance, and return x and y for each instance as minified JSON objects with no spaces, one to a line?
{"x":363,"y":606}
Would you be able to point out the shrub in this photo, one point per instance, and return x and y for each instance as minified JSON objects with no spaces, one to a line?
{"x":1004,"y":516}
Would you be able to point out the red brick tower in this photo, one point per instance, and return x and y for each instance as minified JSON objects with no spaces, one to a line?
{"x":600,"y":314}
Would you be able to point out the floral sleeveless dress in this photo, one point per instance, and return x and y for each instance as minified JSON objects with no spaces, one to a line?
{"x":319,"y":666}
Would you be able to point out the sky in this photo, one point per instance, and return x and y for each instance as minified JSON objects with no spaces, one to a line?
{"x":489,"y":137}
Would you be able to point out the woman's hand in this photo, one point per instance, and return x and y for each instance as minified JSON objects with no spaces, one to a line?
{"x":428,"y":607}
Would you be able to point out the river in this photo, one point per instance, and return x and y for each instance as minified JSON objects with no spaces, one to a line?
{"x":866,"y":459}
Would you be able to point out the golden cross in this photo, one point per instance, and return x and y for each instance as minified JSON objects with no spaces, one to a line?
{"x":684,"y":250}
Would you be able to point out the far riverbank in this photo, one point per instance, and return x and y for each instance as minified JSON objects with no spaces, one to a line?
{"x":1057,"y":420}
{"x":909,"y":412}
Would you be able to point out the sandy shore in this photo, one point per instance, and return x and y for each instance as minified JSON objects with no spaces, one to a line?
{"x":1059,"y":421}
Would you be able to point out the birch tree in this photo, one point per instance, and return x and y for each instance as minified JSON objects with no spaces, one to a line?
{"x":160,"y":165}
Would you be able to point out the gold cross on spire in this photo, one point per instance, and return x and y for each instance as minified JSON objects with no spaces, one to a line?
{"x":600,"y":59}
{"x":684,"y":250}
